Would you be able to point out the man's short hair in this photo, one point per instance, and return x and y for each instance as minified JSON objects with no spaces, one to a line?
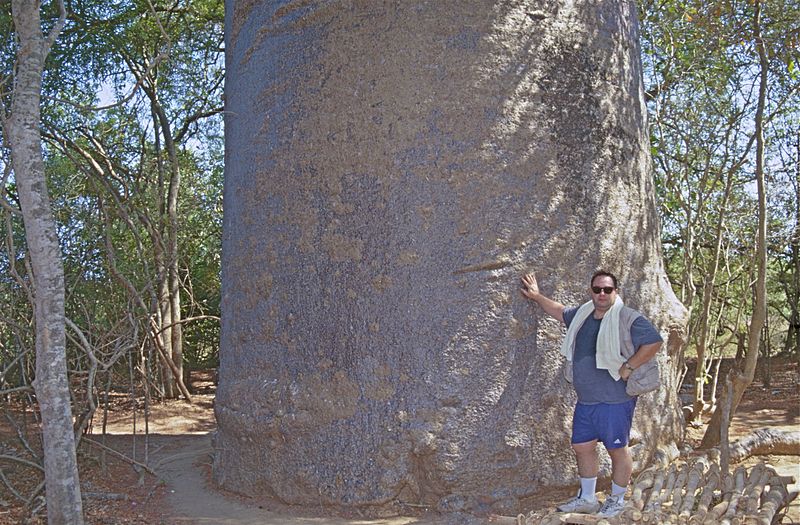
{"x":604,"y":273}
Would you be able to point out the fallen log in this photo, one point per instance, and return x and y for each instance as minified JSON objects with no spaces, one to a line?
{"x":694,"y":480}
{"x":655,"y":492}
{"x":777,"y":498}
{"x":677,"y":491}
{"x":765,"y":441}
{"x":643,"y":482}
{"x":105,"y":496}
{"x":706,"y":495}
{"x":755,"y":488}
{"x":738,"y":489}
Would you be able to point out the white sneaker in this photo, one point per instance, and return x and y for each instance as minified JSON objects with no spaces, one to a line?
{"x":612,"y":506}
{"x":579,"y":504}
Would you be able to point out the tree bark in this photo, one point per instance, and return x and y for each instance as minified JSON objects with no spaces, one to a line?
{"x":62,"y":486}
{"x":391,"y":171}
{"x":173,"y":289}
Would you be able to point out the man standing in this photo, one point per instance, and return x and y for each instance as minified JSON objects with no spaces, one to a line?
{"x":599,"y":333}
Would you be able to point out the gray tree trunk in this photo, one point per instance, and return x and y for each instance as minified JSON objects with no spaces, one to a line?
{"x":391,"y":170}
{"x":171,"y":310}
{"x":62,"y":485}
{"x":793,"y":289}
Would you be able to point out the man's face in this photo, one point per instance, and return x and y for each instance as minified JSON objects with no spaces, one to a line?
{"x":607,"y":293}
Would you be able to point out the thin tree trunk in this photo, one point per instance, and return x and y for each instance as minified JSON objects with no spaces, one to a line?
{"x":62,"y":485}
{"x":171,"y":305}
{"x":704,"y":329}
{"x":766,"y":369}
{"x":162,"y":255}
{"x":793,"y":292}
{"x":164,"y":321}
{"x":176,"y":332}
{"x":743,"y":379}
{"x":689,"y":289}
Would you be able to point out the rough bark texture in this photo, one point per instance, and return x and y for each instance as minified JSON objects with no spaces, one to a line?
{"x":391,"y":170}
{"x":62,"y":486}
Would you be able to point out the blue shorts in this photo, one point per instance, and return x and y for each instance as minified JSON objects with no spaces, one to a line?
{"x":608,"y":423}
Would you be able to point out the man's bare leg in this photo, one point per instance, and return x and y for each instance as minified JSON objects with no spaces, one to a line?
{"x":621,"y":465}
{"x":586,"y":456}
{"x":621,"y":469}
{"x":588,"y":466}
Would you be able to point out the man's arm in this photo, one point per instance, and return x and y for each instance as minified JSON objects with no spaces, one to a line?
{"x":644,"y":354}
{"x":530,"y":289}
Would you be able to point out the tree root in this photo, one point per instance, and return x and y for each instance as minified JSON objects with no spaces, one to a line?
{"x":694,"y":491}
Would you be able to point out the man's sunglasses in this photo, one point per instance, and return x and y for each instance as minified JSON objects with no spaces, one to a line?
{"x":606,"y":289}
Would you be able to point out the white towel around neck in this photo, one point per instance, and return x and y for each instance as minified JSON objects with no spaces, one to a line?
{"x":609,"y":356}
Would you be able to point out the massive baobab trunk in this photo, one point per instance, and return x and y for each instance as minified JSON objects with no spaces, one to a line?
{"x":392,"y":168}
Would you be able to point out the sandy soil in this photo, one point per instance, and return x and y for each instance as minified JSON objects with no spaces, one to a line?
{"x":182,"y":440}
{"x":161,"y":474}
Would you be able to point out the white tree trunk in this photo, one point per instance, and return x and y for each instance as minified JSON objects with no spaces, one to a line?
{"x":52,"y":390}
{"x":391,"y":170}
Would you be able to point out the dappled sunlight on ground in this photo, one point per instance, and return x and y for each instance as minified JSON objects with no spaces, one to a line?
{"x":173,"y":417}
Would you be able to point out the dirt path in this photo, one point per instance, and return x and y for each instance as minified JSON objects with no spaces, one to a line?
{"x":179,"y":445}
{"x":182,"y":463}
{"x":177,"y":450}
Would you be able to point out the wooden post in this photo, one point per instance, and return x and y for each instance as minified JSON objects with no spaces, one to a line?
{"x":725,"y":460}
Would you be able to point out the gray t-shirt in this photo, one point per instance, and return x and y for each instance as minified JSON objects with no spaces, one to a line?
{"x":595,"y":385}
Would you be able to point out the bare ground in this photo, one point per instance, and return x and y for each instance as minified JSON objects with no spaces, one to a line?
{"x":175,"y":445}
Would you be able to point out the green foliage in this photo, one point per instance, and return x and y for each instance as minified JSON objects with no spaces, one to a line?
{"x":108,"y":174}
{"x":108,"y":169}
{"x":701,"y":72}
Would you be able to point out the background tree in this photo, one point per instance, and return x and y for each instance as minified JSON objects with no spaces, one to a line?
{"x":21,"y":128}
{"x":138,"y":153}
{"x":390,"y":173}
{"x":786,"y":293}
{"x":741,"y":379}
{"x":110,"y":182}
{"x":703,"y":75}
